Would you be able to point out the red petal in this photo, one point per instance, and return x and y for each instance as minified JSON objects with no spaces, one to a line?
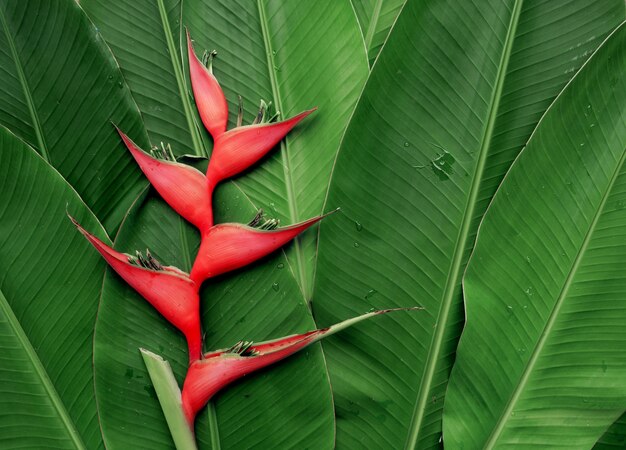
{"x":209,"y":96}
{"x":170,"y":291}
{"x":229,"y":246}
{"x":208,"y":376}
{"x":239,"y":148}
{"x":184,"y":188}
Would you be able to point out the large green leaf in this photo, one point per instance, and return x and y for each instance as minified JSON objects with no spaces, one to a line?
{"x":541,"y":361}
{"x":289,"y":406}
{"x":49,"y":284}
{"x":451,"y":100}
{"x":615,"y":437}
{"x":60,"y":90}
{"x":376,"y":17}
{"x":295,"y":54}
{"x":145,"y":36}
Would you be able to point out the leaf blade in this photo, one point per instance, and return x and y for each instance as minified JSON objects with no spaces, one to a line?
{"x":62,"y":101}
{"x":420,"y":126}
{"x":376,"y":18}
{"x":51,"y":323}
{"x":615,"y":437}
{"x":586,"y":255}
{"x":12,"y":331}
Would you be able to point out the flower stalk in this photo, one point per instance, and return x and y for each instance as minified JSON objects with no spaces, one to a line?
{"x":170,"y":399}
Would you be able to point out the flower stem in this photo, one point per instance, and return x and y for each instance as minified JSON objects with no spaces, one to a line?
{"x":169,"y":396}
{"x":213,"y":428}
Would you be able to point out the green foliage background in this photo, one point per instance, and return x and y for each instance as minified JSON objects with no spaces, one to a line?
{"x":424,"y":106}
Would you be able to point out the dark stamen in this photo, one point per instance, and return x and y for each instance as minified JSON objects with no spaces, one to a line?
{"x":164,"y":153}
{"x":260,"y":116}
{"x":147,"y":262}
{"x":240,"y":112}
{"x":262,"y":223}
{"x":243,"y":348}
{"x":207,"y":59}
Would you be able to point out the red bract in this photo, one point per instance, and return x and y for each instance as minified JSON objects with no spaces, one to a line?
{"x":229,"y":246}
{"x":209,"y":96}
{"x":239,"y":148}
{"x":168,"y":289}
{"x":235,"y":150}
{"x":183,"y":187}
{"x":220,"y":368}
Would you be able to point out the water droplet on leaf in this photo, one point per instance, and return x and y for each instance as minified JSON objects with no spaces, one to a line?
{"x":370,"y":293}
{"x":529,"y":291}
{"x":442,"y":165}
{"x":276,"y":287}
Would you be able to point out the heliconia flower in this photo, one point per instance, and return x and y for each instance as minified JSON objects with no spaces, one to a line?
{"x":241,"y":147}
{"x":168,"y":289}
{"x":183,"y":187}
{"x":207,"y":376}
{"x":237,"y":149}
{"x":229,"y":246}
{"x":209,"y":96}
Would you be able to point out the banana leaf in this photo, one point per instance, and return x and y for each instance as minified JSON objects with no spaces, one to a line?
{"x":60,"y":90}
{"x":450,"y":102}
{"x":541,"y":360}
{"x":49,"y":286}
{"x":376,"y":18}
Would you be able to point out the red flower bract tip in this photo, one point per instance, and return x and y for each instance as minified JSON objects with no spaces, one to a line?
{"x":220,"y":368}
{"x":241,"y":147}
{"x":168,"y":289}
{"x":183,"y":187}
{"x":209,"y":96}
{"x":229,"y":246}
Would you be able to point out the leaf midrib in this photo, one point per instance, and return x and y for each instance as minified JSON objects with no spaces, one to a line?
{"x":284,"y":152}
{"x":41,"y":142}
{"x":199,"y":148}
{"x":47,"y":384}
{"x":371,"y":29}
{"x":555,"y":312}
{"x":464,"y":234}
{"x":497,"y":431}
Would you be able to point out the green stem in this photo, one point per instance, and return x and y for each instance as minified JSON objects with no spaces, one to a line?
{"x":213,"y":428}
{"x":299,"y":271}
{"x":169,"y":396}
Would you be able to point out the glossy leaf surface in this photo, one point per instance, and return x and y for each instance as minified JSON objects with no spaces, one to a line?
{"x":541,"y":360}
{"x":146,"y":37}
{"x":49,"y":286}
{"x":60,"y":90}
{"x":450,"y":102}
{"x":376,"y":18}
{"x":615,"y":437}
